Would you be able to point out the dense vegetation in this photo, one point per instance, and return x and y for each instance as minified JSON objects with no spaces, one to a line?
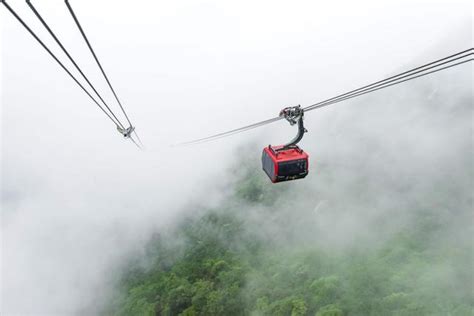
{"x":253,"y":256}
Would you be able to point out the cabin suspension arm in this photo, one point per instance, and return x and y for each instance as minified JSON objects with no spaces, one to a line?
{"x":294,"y":115}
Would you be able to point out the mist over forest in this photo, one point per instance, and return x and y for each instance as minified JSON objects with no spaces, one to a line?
{"x":381,"y":226}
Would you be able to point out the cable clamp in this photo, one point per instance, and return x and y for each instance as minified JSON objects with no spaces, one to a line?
{"x":126,"y":132}
{"x":292,"y":114}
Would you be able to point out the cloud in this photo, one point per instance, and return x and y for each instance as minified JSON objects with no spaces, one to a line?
{"x":76,"y":198}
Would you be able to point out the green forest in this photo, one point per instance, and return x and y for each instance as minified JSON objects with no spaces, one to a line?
{"x":261,"y":252}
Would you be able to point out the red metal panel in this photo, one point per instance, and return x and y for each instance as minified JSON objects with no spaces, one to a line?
{"x":284,"y":156}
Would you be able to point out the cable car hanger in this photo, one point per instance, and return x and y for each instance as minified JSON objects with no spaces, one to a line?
{"x":294,"y":115}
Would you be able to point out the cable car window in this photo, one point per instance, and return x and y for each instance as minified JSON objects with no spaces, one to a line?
{"x":291,"y":168}
{"x":268,"y":165}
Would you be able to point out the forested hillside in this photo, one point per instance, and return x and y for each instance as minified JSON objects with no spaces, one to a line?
{"x":381,"y":226}
{"x":228,"y":261}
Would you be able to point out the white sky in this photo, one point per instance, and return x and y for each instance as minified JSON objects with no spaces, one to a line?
{"x":72,"y":186}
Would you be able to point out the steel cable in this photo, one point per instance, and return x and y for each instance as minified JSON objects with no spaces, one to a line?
{"x":10,"y":9}
{"x":393,"y":78}
{"x":423,"y":70}
{"x":71,"y":11}
{"x":40,"y":18}
{"x":389,"y":85}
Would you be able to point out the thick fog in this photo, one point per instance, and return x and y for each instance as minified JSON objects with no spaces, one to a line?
{"x":77,"y":197}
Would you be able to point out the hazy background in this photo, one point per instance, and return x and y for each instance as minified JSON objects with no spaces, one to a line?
{"x":76,"y":197}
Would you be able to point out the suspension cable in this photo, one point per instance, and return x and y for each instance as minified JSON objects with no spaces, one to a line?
{"x":32,"y":7}
{"x":423,"y":70}
{"x":414,"y":71}
{"x":231,"y":132}
{"x":55,"y":58}
{"x":96,"y":59}
{"x":391,"y":84}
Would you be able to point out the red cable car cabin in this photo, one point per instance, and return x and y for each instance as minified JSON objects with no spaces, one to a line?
{"x":284,"y":164}
{"x":287,"y":162}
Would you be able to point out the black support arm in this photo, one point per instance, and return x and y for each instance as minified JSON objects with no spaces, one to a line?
{"x":294,"y":115}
